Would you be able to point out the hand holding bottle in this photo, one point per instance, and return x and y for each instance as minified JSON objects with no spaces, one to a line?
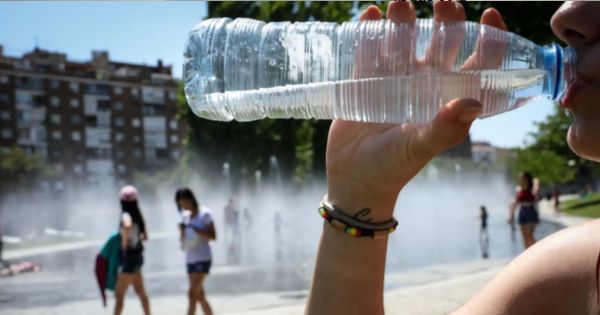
{"x":368,"y":163}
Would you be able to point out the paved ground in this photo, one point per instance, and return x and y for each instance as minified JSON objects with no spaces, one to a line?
{"x":432,"y":290}
{"x":444,"y":288}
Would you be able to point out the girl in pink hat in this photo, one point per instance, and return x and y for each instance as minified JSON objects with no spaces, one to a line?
{"x":133,"y":232}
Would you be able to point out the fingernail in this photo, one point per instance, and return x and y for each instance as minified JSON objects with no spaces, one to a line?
{"x":468,"y":115}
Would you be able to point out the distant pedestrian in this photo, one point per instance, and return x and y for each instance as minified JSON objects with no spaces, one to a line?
{"x":277,"y":237}
{"x":484,"y":238}
{"x":196,"y":230}
{"x":1,"y":249}
{"x":526,"y":199}
{"x":232,"y":231}
{"x":556,"y":199}
{"x":133,"y":232}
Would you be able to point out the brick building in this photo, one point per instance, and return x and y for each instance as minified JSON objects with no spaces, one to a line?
{"x":93,"y":121}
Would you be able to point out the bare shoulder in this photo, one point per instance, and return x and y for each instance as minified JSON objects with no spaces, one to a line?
{"x":558,"y":275}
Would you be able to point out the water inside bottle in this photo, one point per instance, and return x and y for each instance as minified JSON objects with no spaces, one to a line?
{"x":395,"y":99}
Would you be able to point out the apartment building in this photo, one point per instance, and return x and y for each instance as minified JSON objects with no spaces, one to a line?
{"x":94,"y":121}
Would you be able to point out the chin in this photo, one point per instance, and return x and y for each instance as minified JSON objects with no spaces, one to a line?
{"x":584,"y":137}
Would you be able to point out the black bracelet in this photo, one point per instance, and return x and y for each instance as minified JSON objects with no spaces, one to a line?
{"x":354,"y":227}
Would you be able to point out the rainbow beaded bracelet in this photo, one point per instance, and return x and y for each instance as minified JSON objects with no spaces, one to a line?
{"x":354,"y":231}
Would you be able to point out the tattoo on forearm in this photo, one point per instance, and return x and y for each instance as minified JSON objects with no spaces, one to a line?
{"x":363,"y":215}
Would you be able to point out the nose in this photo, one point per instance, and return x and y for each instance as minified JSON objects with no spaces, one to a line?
{"x":577,"y":23}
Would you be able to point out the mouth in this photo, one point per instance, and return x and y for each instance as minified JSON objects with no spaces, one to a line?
{"x":574,"y":88}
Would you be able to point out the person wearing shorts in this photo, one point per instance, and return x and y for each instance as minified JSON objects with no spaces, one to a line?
{"x":196,"y":231}
{"x":133,"y":232}
{"x":526,"y":199}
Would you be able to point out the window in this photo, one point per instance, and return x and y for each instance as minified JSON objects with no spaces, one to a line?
{"x":23,"y":116}
{"x":122,"y":168}
{"x":173,"y":124}
{"x":103,"y":106}
{"x":119,"y":122}
{"x":162,"y":153}
{"x":135,"y":92}
{"x":74,"y":87}
{"x":56,"y":135}
{"x":118,"y":90}
{"x":7,"y":133}
{"x":137,"y":153}
{"x":153,"y":95}
{"x":118,"y":106}
{"x":119,"y":136}
{"x":174,"y":138}
{"x":136,"y":139}
{"x":5,"y":115}
{"x":74,"y":102}
{"x":40,"y":134}
{"x":120,"y":154}
{"x":173,"y":96}
{"x":91,"y":121}
{"x":4,"y":79}
{"x":76,"y":136}
{"x":148,"y":110}
{"x":55,"y":118}
{"x":24,"y":134}
{"x":54,"y":101}
{"x":54,"y":84}
{"x":75,"y":119}
{"x":176,"y":154}
{"x":136,"y":123}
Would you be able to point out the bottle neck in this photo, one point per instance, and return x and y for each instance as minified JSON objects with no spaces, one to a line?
{"x":560,"y":64}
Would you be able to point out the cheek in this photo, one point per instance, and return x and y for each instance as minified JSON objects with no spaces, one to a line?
{"x":584,"y":138}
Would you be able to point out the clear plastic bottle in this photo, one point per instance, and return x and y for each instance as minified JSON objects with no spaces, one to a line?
{"x":374,"y":71}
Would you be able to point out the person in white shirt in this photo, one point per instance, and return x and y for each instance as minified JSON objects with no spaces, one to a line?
{"x":196,"y":231}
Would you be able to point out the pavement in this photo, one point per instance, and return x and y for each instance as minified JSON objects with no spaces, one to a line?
{"x":432,"y":290}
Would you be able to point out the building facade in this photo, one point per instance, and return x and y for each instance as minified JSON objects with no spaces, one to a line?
{"x":92,"y":121}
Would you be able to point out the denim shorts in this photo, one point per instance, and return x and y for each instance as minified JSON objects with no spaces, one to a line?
{"x":528,"y":215}
{"x":201,"y":266}
{"x":132,"y":261}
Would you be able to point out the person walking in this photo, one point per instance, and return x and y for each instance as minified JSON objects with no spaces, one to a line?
{"x":132,"y":229}
{"x":526,"y":199}
{"x":196,"y":230}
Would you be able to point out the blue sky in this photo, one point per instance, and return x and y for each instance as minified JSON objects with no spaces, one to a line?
{"x":143,"y":32}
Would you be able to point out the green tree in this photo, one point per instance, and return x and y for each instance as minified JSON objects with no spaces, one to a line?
{"x":18,"y":169}
{"x":548,"y":166}
{"x":549,"y":156}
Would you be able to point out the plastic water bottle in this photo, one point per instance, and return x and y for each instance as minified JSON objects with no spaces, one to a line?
{"x":373,"y":71}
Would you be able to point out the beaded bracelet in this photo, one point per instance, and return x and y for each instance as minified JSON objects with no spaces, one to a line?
{"x":379,"y":231}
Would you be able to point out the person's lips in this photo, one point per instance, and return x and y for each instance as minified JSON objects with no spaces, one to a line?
{"x":574,"y":89}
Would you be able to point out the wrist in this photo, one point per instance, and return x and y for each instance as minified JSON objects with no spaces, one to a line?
{"x":353,"y":197}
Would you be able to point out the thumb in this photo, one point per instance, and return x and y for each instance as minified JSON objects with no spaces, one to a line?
{"x":451,"y":125}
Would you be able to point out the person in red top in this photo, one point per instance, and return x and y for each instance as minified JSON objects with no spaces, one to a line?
{"x":526,"y":199}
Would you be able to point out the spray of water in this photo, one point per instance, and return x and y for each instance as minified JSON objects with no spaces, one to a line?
{"x":279,"y":224}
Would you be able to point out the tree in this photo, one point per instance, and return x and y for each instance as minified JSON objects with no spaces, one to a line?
{"x":21,"y":170}
{"x":549,"y":156}
{"x":548,"y":166}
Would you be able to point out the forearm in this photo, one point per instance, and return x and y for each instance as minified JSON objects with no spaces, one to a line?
{"x":206,"y":235}
{"x":124,"y":237}
{"x":349,"y":272}
{"x":348,"y":277}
